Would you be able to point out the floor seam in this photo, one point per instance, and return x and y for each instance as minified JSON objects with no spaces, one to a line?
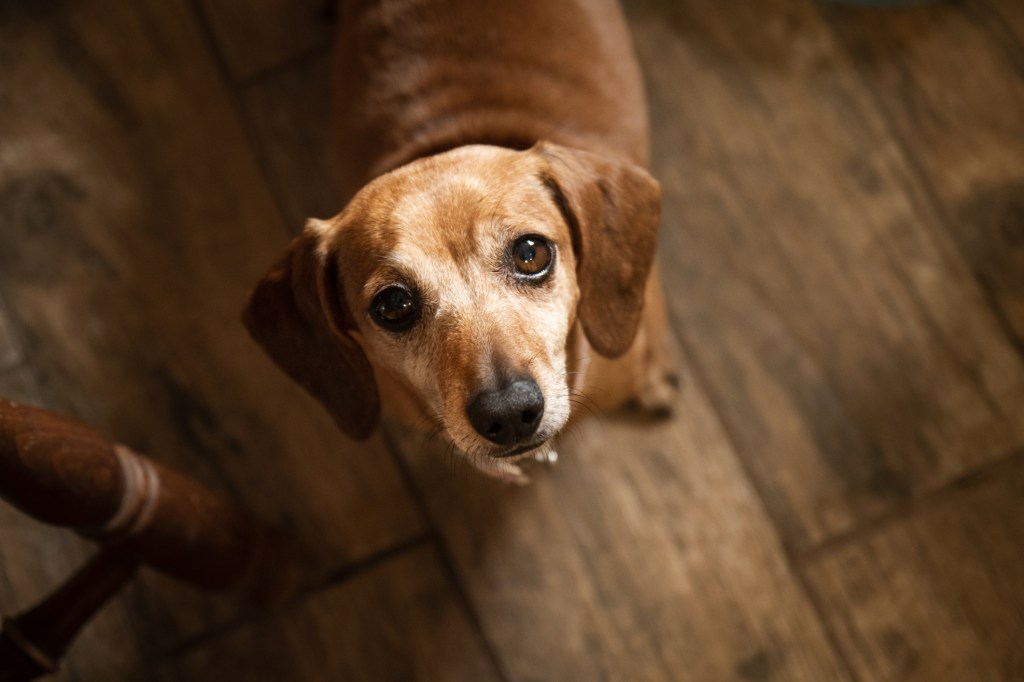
{"x":332,"y":580}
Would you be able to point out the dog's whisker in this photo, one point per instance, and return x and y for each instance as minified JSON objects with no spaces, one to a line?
{"x":579,"y":393}
{"x":430,"y":427}
{"x":589,"y":405}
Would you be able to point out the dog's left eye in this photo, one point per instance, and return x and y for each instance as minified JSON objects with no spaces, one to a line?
{"x":532,"y":256}
{"x":395,"y":309}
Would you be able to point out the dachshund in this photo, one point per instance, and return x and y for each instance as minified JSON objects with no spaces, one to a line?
{"x":492,"y":273}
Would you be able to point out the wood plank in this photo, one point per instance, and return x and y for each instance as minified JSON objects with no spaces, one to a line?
{"x":400,"y":621}
{"x":134,"y":219}
{"x":289,"y":116}
{"x":950,"y":79}
{"x":256,"y":36}
{"x":938,"y":595}
{"x":10,"y":349}
{"x":644,"y":554}
{"x":850,"y":351}
{"x":1012,"y":13}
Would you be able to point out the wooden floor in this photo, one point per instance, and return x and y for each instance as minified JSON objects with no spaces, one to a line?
{"x":840,"y":498}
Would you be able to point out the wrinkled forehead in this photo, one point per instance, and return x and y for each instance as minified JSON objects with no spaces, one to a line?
{"x":451,"y":209}
{"x":450,"y":219}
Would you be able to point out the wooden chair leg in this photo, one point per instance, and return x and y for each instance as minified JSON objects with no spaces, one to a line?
{"x":32,"y":643}
{"x":64,"y":473}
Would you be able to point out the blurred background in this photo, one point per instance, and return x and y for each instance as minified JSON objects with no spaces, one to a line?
{"x":840,"y":497}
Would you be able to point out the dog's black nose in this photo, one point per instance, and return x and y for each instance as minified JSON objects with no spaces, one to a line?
{"x":508,"y":415}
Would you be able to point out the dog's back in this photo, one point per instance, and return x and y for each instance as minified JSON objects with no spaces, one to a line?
{"x":417,"y":77}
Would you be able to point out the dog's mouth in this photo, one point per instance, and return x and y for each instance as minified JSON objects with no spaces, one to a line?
{"x":521,"y":450}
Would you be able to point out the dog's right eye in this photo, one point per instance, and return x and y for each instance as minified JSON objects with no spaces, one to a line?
{"x":395,"y":309}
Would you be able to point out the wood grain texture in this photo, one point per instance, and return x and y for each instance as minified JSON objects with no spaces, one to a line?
{"x":825,"y":288}
{"x":853,"y":356}
{"x":643,"y":555}
{"x":950,"y":80}
{"x":255,"y":36}
{"x":401,"y":621}
{"x":289,"y":114}
{"x":938,"y":595}
{"x":1011,"y":15}
{"x":10,"y":350}
{"x":134,"y":219}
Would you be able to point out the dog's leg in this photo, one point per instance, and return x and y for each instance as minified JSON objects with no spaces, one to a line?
{"x":658,"y":380}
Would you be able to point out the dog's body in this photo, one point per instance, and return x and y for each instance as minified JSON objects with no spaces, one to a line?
{"x":417,"y":77}
{"x":499,"y":228}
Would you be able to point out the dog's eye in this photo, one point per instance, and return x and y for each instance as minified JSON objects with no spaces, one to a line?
{"x":395,"y":309}
{"x":532,"y":257}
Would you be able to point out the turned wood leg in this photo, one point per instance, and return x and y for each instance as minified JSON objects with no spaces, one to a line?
{"x":64,"y":473}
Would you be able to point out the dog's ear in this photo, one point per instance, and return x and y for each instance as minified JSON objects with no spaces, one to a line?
{"x":298,"y":314}
{"x":613,"y":208}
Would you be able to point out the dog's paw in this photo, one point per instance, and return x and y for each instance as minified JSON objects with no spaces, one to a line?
{"x":657,"y":397}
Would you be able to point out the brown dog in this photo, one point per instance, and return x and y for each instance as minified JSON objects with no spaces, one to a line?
{"x":493,"y":265}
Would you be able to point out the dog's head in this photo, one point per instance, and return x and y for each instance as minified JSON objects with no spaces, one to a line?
{"x":459,"y":278}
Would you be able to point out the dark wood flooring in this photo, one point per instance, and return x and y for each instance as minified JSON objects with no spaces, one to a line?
{"x":840,"y":498}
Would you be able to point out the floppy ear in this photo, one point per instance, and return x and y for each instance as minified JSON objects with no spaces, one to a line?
{"x":613,"y":208}
{"x":298,"y":314}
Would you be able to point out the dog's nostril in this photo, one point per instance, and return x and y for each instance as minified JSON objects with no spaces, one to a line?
{"x":509,"y":414}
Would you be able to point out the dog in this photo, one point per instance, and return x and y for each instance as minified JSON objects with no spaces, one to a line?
{"x":491,"y":276}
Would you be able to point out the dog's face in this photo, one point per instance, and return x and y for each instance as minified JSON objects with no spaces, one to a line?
{"x":462,"y":287}
{"x":458,"y":279}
